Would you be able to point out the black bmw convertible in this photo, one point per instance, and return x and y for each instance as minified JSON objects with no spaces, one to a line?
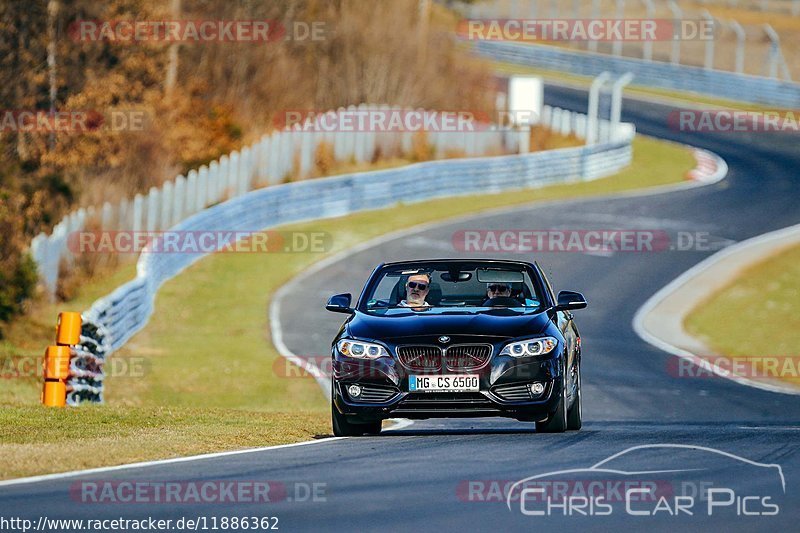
{"x":456,"y":338}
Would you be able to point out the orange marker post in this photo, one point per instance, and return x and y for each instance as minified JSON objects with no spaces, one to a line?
{"x":57,"y":358}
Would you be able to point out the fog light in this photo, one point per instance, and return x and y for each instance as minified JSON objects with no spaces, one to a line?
{"x":354,"y":391}
{"x":537,"y":388}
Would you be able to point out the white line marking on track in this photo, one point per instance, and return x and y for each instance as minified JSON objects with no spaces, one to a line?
{"x":159,"y":462}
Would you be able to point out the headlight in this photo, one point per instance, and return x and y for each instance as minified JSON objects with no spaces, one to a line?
{"x":530,"y":347}
{"x":360,"y":349}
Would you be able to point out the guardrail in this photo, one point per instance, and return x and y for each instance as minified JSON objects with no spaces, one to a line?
{"x":715,"y":83}
{"x":290,"y":151}
{"x":115,"y":318}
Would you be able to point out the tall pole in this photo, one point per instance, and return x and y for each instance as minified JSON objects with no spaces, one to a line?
{"x":647,"y":52}
{"x":172,"y":52}
{"x":677,"y":15}
{"x":620,"y":13}
{"x":52,"y":14}
{"x":708,"y":63}
{"x":594,"y":106}
{"x":422,"y":37}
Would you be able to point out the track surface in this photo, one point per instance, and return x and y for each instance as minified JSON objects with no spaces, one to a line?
{"x":414,"y":478}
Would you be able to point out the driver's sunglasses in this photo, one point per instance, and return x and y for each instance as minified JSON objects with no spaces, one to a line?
{"x":417,"y":285}
{"x":499,"y":288}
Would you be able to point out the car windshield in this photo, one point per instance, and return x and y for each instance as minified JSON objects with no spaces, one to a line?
{"x":463,"y":286}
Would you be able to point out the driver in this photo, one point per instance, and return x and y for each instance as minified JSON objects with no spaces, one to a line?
{"x":417,"y":287}
{"x":498,"y":290}
{"x":498,"y":294}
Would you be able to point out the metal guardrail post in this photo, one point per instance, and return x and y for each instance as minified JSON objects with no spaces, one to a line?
{"x":740,"y":43}
{"x":616,"y":100}
{"x":677,"y":14}
{"x":775,"y":56}
{"x":594,"y":107}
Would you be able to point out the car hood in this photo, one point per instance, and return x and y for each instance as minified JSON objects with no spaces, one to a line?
{"x":494,"y":323}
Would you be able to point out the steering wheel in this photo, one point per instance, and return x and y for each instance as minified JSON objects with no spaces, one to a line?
{"x":501,"y":301}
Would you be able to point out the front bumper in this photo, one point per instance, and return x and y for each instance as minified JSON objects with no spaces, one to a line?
{"x":503,"y":382}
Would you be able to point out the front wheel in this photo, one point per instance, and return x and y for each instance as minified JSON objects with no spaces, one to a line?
{"x":574,"y":415}
{"x":557,"y":423}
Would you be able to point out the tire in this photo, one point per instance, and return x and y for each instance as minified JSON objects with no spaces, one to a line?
{"x":574,"y":414}
{"x":343,"y":428}
{"x":557,"y":423}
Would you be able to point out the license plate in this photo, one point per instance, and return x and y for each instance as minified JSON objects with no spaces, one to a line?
{"x":444,"y":383}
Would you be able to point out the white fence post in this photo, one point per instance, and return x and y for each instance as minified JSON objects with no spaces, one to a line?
{"x":138,"y":212}
{"x":152,"y":209}
{"x":223,"y":176}
{"x":179,"y":199}
{"x":167,"y":190}
{"x":191,"y":193}
{"x":201,"y":200}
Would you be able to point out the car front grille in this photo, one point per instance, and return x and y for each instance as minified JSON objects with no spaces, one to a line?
{"x":442,"y":402}
{"x":467,"y":356}
{"x":420,"y":358}
{"x":459,"y":357}
{"x":518,"y":392}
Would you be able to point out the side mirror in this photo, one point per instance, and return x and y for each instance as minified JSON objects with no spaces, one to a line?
{"x":339,"y":303}
{"x":569,"y":300}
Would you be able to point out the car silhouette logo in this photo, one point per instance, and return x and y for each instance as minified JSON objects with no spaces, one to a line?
{"x":444,"y":339}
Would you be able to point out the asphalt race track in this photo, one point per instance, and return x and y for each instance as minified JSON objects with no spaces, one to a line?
{"x":435,"y":474}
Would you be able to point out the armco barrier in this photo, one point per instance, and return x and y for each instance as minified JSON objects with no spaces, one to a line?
{"x":113,"y":319}
{"x":267,"y":162}
{"x":715,"y":83}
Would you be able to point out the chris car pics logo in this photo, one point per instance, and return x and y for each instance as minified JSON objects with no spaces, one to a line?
{"x":677,"y":481}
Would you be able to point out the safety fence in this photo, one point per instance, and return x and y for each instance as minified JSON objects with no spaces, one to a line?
{"x":715,"y":83}
{"x":290,"y":151}
{"x":115,"y":318}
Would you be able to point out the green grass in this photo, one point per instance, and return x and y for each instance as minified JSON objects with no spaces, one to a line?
{"x":209,"y":360}
{"x":38,"y":440}
{"x":765,"y":298}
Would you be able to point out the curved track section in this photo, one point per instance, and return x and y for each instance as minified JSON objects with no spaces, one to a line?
{"x":421,"y":476}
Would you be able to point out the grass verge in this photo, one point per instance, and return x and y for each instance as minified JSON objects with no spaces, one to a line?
{"x":208,"y":382}
{"x":768,"y":289}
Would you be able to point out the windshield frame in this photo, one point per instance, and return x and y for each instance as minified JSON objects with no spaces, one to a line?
{"x":531,"y":269}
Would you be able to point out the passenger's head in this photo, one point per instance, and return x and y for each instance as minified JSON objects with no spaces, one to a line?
{"x":498,"y":290}
{"x":417,"y":288}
